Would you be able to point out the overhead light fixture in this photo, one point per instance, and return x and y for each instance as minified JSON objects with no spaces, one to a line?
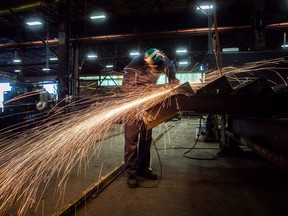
{"x":46,"y":69}
{"x":183,"y":62}
{"x":91,"y":56}
{"x":102,"y":16}
{"x":284,"y":46}
{"x":109,"y":66}
{"x":231,"y":49}
{"x":205,"y":7}
{"x":17,"y":60}
{"x":134,"y":53}
{"x":34,"y":23}
{"x":53,"y":59}
{"x":181,"y":51}
{"x":17,"y":71}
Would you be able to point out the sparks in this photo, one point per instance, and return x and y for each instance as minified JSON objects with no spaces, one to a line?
{"x":57,"y":146}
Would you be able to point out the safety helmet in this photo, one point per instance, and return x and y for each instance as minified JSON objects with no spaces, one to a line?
{"x":154,"y":56}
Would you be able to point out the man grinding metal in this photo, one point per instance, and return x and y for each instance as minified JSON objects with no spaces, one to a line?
{"x":144,"y":69}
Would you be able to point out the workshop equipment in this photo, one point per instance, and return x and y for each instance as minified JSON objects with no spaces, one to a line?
{"x":168,"y":109}
{"x":257,"y":114}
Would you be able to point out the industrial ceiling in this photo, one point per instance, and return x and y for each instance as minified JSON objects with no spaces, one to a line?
{"x":129,"y":24}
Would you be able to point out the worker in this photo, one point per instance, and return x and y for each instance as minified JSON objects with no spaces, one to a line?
{"x":143,"y":70}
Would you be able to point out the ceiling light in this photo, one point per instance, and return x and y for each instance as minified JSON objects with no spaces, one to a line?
{"x":17,"y":71}
{"x":34,"y":23}
{"x":205,"y":7}
{"x":109,"y":66}
{"x":183,"y":62}
{"x":284,"y":46}
{"x":97,"y":17}
{"x":46,"y":69}
{"x":134,"y":53}
{"x":91,"y":56}
{"x":17,"y":60}
{"x":231,"y":49}
{"x":53,"y":59}
{"x":181,"y":51}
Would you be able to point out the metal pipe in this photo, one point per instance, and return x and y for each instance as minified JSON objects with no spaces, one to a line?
{"x":185,"y":32}
{"x":151,"y":35}
{"x":22,"y":7}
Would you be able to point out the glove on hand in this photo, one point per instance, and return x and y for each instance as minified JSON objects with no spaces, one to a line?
{"x":175,"y":81}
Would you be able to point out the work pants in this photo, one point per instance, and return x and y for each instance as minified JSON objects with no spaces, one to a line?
{"x":137,"y":147}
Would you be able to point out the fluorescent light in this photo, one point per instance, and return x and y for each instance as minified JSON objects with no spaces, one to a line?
{"x":205,"y":7}
{"x":17,"y":71}
{"x":181,"y":51}
{"x":98,"y":17}
{"x":134,"y":53}
{"x":231,"y":49}
{"x":53,"y":59}
{"x":46,"y":69}
{"x":109,"y":66}
{"x":284,"y":46}
{"x":17,"y":60}
{"x":91,"y":56}
{"x":183,"y":62}
{"x":33,"y":23}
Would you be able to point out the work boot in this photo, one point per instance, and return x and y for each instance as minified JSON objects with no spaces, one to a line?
{"x":132,"y":181}
{"x":148,"y":174}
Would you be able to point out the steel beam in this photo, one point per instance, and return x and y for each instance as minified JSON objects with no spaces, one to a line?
{"x":276,"y":158}
{"x":238,"y":105}
{"x":270,"y":133}
{"x":92,"y":192}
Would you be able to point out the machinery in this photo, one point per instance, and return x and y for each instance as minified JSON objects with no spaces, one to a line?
{"x":252,"y":114}
{"x":24,"y":102}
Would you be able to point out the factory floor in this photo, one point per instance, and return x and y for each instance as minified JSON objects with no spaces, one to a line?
{"x":235,"y":184}
{"x":200,"y":184}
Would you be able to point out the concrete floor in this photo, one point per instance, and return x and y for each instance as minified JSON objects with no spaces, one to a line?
{"x":244,"y":184}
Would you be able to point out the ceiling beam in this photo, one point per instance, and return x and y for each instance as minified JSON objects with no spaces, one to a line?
{"x":152,"y":35}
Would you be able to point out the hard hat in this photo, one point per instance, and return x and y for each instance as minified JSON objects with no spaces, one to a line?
{"x":153,"y":56}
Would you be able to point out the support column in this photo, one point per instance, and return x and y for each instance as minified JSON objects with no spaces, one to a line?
{"x":210,"y":37}
{"x":258,"y":28}
{"x":75,"y":78}
{"x":21,"y":55}
{"x":217,"y":43}
{"x":63,"y":57}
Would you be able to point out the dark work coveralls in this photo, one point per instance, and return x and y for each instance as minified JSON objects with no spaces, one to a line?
{"x":138,"y":139}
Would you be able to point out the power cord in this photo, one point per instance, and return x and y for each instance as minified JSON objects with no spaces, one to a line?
{"x":158,"y":155}
{"x":160,"y":164}
{"x":193,"y":147}
{"x":184,"y":154}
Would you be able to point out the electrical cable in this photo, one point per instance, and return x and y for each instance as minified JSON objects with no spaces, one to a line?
{"x":158,"y":155}
{"x":160,"y":165}
{"x":193,"y":147}
{"x":184,"y":154}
